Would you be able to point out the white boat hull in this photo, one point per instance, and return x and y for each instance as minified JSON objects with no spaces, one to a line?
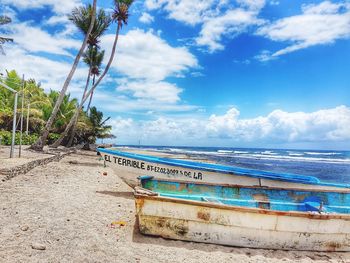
{"x":129,"y":169}
{"x":243,"y":227}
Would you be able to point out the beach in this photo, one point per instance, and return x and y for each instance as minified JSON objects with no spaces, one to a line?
{"x":77,"y":210}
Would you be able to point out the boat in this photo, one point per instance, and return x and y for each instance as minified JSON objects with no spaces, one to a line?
{"x":131,"y":165}
{"x":244,"y":216}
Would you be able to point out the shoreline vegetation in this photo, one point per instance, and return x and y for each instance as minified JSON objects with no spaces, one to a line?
{"x":53,"y":118}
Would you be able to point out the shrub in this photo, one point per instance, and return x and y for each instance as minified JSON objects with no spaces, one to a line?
{"x":6,"y":137}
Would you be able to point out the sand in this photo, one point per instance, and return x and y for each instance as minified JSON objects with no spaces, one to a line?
{"x":62,"y":212}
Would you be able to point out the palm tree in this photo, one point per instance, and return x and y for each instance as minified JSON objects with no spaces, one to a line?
{"x":4,"y":20}
{"x":120,"y":16}
{"x":93,"y":58}
{"x":39,"y":144}
{"x":81,"y":18}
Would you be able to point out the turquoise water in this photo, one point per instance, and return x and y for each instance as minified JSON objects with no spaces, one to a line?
{"x":328,"y":166}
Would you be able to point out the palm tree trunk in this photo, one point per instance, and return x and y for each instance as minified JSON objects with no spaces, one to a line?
{"x":92,"y":94}
{"x":76,"y":119}
{"x":76,"y":114}
{"x":39,"y":144}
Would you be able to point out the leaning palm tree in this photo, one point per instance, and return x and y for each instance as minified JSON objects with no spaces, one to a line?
{"x":120,"y":16}
{"x":4,"y":20}
{"x":39,"y":144}
{"x":93,"y":58}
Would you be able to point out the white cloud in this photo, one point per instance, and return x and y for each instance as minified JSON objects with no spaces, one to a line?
{"x":146,"y":18}
{"x":189,"y":12}
{"x":232,"y":23}
{"x":34,"y":39}
{"x":51,"y":73}
{"x":318,"y":24}
{"x":145,"y":55}
{"x":218,"y":19}
{"x":328,"y":125}
{"x":61,"y":7}
{"x":161,"y":91}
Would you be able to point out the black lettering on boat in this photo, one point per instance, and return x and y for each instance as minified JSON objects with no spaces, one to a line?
{"x":124,"y":162}
{"x":107,"y":158}
{"x":120,"y":161}
{"x":143,"y":166}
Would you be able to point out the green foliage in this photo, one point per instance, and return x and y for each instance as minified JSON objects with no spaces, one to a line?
{"x":121,"y":11}
{"x":41,"y":104}
{"x":6,"y":138}
{"x":81,"y":17}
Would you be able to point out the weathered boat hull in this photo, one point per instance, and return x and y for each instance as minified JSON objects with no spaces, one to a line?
{"x":243,"y":227}
{"x":131,"y":166}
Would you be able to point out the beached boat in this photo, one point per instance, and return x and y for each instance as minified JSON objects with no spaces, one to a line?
{"x":269,"y":218}
{"x":131,"y":165}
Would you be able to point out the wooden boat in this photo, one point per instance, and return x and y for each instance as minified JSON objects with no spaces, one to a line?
{"x":131,"y":166}
{"x":244,"y":216}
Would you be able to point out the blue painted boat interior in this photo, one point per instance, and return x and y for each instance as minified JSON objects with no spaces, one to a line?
{"x":253,"y":197}
{"x":287,"y":177}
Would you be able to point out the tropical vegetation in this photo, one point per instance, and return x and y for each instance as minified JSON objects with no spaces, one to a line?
{"x":38,"y":107}
{"x":54,"y":115}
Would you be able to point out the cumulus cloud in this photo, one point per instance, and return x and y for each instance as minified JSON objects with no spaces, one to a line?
{"x":61,"y":7}
{"x":161,"y":91}
{"x":35,"y":39}
{"x":145,"y":61}
{"x":230,"y":24}
{"x":189,"y":12}
{"x":318,"y":24}
{"x":146,"y":18}
{"x":327,"y":125}
{"x":218,"y":19}
{"x":145,"y":55}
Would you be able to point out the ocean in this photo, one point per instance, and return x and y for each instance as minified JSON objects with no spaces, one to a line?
{"x":329,"y":166}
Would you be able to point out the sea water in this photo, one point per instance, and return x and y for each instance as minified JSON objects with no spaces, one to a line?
{"x":328,"y":166}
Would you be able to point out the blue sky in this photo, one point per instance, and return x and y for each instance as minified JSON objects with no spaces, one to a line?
{"x":242,"y":73}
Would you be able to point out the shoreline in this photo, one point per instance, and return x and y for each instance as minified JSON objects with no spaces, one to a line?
{"x":80,"y":215}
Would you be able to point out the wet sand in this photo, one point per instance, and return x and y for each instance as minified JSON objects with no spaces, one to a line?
{"x":76,"y":214}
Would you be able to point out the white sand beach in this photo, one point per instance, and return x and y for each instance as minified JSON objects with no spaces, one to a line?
{"x":69,"y":211}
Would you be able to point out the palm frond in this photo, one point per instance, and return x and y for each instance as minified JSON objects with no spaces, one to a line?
{"x":121,"y":11}
{"x":4,"y":20}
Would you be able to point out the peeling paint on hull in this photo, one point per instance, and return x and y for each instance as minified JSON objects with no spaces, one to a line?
{"x":243,"y":227}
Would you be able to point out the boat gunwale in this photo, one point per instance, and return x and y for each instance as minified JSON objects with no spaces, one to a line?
{"x":335,"y":190}
{"x":308,"y":215}
{"x":168,"y":161}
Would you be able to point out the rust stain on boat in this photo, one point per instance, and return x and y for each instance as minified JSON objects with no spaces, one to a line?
{"x":203,"y":214}
{"x":333,"y":246}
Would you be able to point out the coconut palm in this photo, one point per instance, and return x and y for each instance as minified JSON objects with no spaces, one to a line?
{"x":81,"y":17}
{"x":4,"y":20}
{"x":120,"y":16}
{"x":39,"y":144}
{"x":95,"y":61}
{"x":93,"y":58}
